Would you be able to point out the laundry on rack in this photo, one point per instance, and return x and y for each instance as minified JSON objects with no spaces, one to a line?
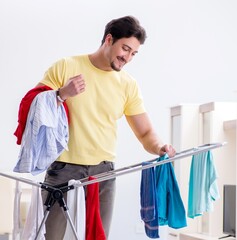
{"x":94,"y":226}
{"x":167,"y":180}
{"x":148,"y":201}
{"x":24,"y":108}
{"x":170,"y":205}
{"x":203,"y":188}
{"x":161,"y":202}
{"x":77,"y":211}
{"x":17,"y":223}
{"x":45,"y":136}
{"x":34,"y":217}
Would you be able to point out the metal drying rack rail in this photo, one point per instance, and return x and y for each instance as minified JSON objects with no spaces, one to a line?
{"x":132,"y":168}
{"x":154,"y":162}
{"x":55,"y":193}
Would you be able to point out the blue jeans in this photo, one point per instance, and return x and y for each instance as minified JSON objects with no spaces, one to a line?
{"x":59,"y":173}
{"x":148,"y":199}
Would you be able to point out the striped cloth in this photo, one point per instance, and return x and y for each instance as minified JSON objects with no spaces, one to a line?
{"x":46,"y":134}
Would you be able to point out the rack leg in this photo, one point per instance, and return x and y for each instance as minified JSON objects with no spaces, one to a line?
{"x":42,"y":224}
{"x":56,"y":194}
{"x":71,"y":224}
{"x":67,"y":215}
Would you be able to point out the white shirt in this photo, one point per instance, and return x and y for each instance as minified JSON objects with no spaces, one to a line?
{"x":35,"y":217}
{"x":77,"y":211}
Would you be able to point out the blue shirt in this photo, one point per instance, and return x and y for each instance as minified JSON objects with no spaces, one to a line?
{"x":170,"y":205}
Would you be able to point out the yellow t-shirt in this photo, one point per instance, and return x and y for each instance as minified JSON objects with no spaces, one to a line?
{"x":93,"y":113}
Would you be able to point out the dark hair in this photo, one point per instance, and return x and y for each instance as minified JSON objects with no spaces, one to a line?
{"x":125,"y":27}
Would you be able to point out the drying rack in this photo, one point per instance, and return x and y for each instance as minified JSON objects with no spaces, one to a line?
{"x":55,"y":193}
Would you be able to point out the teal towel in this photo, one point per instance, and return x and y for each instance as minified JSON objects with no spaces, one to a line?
{"x":203,"y":189}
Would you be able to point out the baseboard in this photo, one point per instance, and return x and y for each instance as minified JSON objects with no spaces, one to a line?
{"x":195,"y":236}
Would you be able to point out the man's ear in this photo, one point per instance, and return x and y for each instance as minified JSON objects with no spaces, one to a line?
{"x":109,"y":39}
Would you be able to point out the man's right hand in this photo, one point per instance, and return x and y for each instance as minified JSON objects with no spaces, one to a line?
{"x":73,"y":87}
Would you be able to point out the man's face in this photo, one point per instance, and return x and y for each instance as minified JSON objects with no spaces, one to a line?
{"x":122,"y":52}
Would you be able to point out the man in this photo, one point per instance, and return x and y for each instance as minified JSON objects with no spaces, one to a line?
{"x":98,"y":92}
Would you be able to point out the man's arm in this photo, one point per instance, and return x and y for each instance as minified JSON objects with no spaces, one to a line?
{"x":142,"y":128}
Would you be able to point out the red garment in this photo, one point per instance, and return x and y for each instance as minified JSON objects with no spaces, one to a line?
{"x":94,"y":227}
{"x":25,"y":107}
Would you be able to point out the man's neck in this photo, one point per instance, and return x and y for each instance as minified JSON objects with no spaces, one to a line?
{"x":99,"y":61}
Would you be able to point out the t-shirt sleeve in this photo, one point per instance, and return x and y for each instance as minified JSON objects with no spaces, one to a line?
{"x":54,"y":77}
{"x":134,"y":104}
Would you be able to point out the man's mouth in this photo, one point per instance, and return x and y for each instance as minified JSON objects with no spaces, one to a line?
{"x":121,"y":60}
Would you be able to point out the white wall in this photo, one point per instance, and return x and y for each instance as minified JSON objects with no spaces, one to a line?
{"x":190,"y":56}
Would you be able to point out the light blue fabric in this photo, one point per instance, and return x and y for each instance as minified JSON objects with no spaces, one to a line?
{"x":170,"y":205}
{"x":46,"y":134}
{"x":203,"y":189}
{"x":149,"y":210}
